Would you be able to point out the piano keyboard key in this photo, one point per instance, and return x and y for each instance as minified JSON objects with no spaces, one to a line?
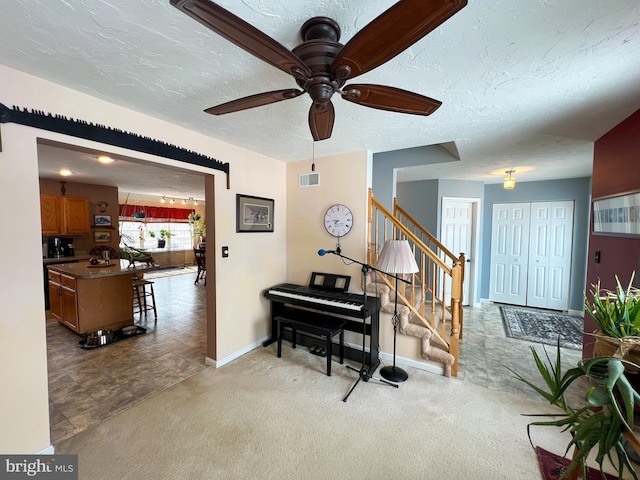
{"x":318,"y":300}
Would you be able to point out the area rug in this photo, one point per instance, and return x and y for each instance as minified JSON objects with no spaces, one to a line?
{"x":542,"y":326}
{"x":552,"y":466}
{"x":170,"y":272}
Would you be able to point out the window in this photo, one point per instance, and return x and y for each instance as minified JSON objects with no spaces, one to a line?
{"x":136,"y":234}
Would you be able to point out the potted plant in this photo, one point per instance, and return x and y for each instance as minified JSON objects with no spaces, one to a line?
{"x":198,"y":226}
{"x":617,"y":315}
{"x":162,"y":237}
{"x":607,"y":412}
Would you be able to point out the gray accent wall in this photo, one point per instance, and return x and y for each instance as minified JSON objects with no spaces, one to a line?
{"x":576,"y":189}
{"x":385,"y":163}
{"x":420,"y":200}
{"x":423,"y":201}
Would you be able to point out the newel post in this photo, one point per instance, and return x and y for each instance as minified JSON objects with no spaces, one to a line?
{"x":457,"y":272}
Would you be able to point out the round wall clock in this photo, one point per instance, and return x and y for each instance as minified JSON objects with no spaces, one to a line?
{"x":338,"y":220}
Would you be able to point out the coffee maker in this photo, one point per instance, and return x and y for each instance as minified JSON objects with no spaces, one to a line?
{"x":60,"y":247}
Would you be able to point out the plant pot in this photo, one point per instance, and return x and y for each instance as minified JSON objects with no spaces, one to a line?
{"x":161,"y":243}
{"x":625,"y":348}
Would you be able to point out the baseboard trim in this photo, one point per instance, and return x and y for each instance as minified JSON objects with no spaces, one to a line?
{"x":230,"y":358}
{"x":424,"y":366}
{"x":408,"y":362}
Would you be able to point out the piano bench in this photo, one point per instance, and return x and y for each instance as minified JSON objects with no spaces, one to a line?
{"x":323,"y":326}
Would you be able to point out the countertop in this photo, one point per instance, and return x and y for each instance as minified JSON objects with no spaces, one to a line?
{"x":85,"y":270}
{"x":56,"y":260}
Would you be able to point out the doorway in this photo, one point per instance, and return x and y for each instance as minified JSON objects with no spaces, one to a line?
{"x":176,"y":346}
{"x":459,"y":233}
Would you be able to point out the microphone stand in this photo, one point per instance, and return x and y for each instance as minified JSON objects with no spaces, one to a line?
{"x":364,"y":373}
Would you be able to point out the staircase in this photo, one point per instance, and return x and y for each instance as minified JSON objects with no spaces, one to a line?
{"x":430,"y":301}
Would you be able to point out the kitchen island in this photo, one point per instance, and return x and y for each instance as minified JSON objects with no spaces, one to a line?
{"x":86,"y":297}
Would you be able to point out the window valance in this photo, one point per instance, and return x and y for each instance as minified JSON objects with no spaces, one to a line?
{"x":155,"y":214}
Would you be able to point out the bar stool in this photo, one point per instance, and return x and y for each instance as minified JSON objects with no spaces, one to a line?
{"x":140,"y":295}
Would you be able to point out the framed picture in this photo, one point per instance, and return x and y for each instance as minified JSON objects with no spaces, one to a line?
{"x":102,"y":220}
{"x":101,"y":237}
{"x":617,"y":215}
{"x":254,"y":214}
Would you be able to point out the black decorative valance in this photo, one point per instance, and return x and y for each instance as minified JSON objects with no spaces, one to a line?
{"x":107,"y":135}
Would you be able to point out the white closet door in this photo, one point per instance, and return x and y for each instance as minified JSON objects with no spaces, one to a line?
{"x":550,"y":255}
{"x":509,"y":253}
{"x":531,"y":254}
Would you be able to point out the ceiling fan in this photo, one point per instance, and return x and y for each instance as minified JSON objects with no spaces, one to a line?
{"x":321,"y":66}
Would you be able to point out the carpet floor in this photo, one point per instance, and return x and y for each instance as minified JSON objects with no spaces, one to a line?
{"x":282,"y":418}
{"x":542,"y":326}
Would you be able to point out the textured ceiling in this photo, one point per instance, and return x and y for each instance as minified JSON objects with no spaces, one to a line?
{"x":525,"y":84}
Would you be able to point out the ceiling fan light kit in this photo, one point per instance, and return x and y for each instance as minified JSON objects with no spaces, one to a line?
{"x":321,"y":66}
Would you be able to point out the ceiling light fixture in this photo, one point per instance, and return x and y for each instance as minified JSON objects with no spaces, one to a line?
{"x":195,"y":202}
{"x":172,"y":201}
{"x":509,"y":180}
{"x":184,"y":201}
{"x":163,"y":199}
{"x":65,"y":172}
{"x":105,"y":159}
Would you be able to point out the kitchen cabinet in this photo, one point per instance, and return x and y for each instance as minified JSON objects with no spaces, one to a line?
{"x":63,"y":300}
{"x":55,"y":299}
{"x":51,"y":214}
{"x":69,"y":308}
{"x":92,"y":298}
{"x":62,"y":215}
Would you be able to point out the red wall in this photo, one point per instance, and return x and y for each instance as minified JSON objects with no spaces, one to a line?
{"x":616,"y":169}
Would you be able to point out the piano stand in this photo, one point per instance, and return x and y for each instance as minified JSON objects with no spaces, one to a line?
{"x":322,"y":326}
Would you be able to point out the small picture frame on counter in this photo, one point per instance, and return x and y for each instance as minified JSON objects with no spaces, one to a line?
{"x":101,"y":237}
{"x":102,"y":220}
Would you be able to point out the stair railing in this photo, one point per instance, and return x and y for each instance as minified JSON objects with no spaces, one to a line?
{"x":438,"y":281}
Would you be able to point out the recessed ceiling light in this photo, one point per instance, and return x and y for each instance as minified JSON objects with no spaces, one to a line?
{"x":65,"y":172}
{"x":105,"y":159}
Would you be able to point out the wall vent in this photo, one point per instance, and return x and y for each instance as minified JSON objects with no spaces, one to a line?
{"x":309,"y":179}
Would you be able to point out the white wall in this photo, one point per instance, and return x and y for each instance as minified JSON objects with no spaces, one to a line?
{"x":242,"y":314}
{"x":343,"y":179}
{"x":24,"y":408}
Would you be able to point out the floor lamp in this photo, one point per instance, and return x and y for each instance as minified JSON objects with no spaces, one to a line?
{"x":396,"y":258}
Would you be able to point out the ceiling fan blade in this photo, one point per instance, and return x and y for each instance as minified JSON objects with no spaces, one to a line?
{"x":390,"y":98}
{"x":253,"y":101}
{"x":391,"y":33}
{"x":321,"y":121}
{"x":244,"y":35}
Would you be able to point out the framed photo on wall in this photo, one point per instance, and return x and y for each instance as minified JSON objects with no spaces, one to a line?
{"x":617,"y":215}
{"x":102,"y":220}
{"x":254,"y":214}
{"x":101,"y":237}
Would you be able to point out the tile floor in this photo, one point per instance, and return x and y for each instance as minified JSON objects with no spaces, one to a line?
{"x":485,"y":352}
{"x":88,"y":386}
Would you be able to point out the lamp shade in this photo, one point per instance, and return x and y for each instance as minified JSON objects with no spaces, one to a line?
{"x":397,"y":257}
